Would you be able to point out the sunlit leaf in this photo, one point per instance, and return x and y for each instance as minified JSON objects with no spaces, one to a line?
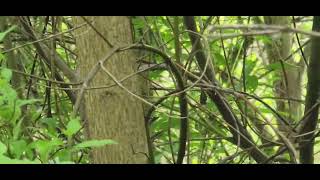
{"x":6,"y":74}
{"x":6,"y":160}
{"x":278,"y":66}
{"x":44,"y":147}
{"x":252,"y":83}
{"x":73,"y":127}
{"x":18,"y":147}
{"x":3,"y":34}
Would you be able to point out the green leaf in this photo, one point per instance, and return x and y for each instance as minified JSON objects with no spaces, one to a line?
{"x":94,"y":143}
{"x":29,"y":153}
{"x":1,"y":56}
{"x":264,"y":39}
{"x":219,"y":59}
{"x":17,"y":130}
{"x":6,"y":74}
{"x":277,"y":66}
{"x":44,"y":147}
{"x":73,"y":127}
{"x":3,"y":148}
{"x":265,"y":110}
{"x":6,"y":160}
{"x":51,"y":124}
{"x":5,"y":33}
{"x":252,"y":83}
{"x":64,"y":155}
{"x":250,"y":64}
{"x":66,"y":162}
{"x":27,"y":101}
{"x":18,"y":147}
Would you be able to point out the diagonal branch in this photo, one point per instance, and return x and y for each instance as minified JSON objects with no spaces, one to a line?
{"x":218,"y":98}
{"x":45,"y":52}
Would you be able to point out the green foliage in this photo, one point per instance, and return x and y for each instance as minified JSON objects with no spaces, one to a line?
{"x":51,"y":148}
{"x":5,"y":160}
{"x":73,"y":126}
{"x":37,"y":127}
{"x":5,"y":33}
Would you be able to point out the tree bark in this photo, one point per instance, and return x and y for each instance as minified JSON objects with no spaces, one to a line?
{"x":112,"y":113}
{"x":309,"y":123}
{"x":289,"y":84}
{"x":12,"y":61}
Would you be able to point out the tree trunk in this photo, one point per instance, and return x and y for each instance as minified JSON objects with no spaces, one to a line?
{"x":289,"y":85}
{"x":311,"y":112}
{"x":12,"y":61}
{"x":112,"y":113}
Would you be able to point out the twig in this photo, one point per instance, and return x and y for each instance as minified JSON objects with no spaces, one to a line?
{"x":265,"y":28}
{"x":90,"y":76}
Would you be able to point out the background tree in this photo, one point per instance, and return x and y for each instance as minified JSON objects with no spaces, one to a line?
{"x":288,"y":84}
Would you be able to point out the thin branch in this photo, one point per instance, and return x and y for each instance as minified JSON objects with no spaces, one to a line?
{"x":266,"y":28}
{"x":218,"y":98}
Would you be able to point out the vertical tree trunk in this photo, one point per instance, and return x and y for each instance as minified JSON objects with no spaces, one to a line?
{"x":312,"y":98}
{"x":290,"y":77}
{"x":112,"y":113}
{"x":12,"y":61}
{"x":289,"y":86}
